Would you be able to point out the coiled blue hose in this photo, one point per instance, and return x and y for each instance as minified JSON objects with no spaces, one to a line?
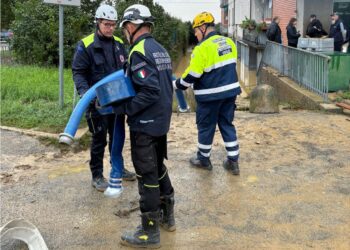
{"x":72,"y":126}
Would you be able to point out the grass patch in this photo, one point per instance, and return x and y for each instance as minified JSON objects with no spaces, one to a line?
{"x":79,"y":145}
{"x":29,"y":97}
{"x":340,"y":96}
{"x":291,"y":105}
{"x":345,"y":95}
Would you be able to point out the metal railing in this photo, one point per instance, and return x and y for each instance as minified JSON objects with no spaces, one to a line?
{"x":308,"y":69}
{"x":243,"y":53}
{"x":5,"y":53}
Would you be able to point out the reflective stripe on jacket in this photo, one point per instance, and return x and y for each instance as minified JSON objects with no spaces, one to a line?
{"x":90,"y":63}
{"x":212,"y":70}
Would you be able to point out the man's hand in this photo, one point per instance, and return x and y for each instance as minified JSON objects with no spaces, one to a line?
{"x":174,"y":85}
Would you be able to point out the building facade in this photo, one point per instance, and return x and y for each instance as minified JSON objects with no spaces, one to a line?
{"x":224,"y":17}
{"x":285,"y":10}
{"x":235,"y":11}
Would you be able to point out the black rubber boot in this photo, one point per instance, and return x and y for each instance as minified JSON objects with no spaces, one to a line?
{"x":147,"y":235}
{"x":167,"y":220}
{"x":231,"y":166}
{"x":195,"y":162}
{"x":128,"y":176}
{"x":100,"y":183}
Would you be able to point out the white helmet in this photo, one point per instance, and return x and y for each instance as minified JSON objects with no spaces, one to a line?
{"x":137,"y":14}
{"x":106,"y":12}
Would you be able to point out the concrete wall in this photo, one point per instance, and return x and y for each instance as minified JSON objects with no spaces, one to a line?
{"x":260,"y":10}
{"x":302,"y":20}
{"x":289,"y":91}
{"x":238,"y":10}
{"x":230,"y":18}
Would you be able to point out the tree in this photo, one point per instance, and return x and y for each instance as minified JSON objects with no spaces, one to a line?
{"x":35,"y":30}
{"x":7,"y":15}
{"x":169,"y":31}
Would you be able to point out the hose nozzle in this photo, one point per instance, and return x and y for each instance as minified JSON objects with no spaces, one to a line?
{"x":66,"y":139}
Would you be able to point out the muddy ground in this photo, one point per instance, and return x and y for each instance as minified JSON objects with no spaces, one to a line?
{"x":293,"y":191}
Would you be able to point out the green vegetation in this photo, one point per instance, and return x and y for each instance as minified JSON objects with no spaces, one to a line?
{"x":248,"y":24}
{"x":345,"y":95}
{"x":29,"y":98}
{"x":81,"y":144}
{"x":340,"y":96}
{"x":29,"y":94}
{"x":35,"y":28}
{"x":6,"y":13}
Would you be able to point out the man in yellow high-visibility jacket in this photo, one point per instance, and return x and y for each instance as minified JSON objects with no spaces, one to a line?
{"x":212,"y":74}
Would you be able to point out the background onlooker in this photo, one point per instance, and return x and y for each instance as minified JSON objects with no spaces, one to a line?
{"x":292,"y":33}
{"x":274,"y":32}
{"x":338,"y":32}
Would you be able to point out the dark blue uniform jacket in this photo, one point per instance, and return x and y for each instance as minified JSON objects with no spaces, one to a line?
{"x":150,"y":71}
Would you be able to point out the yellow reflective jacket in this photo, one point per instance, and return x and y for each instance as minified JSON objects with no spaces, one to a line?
{"x":212,"y":70}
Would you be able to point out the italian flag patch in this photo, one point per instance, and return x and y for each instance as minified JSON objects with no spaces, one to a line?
{"x":141,"y":73}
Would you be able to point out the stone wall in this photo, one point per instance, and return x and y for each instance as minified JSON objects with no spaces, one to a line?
{"x":289,"y":91}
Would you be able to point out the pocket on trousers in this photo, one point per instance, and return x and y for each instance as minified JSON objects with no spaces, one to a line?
{"x":95,"y":125}
{"x":143,"y":154}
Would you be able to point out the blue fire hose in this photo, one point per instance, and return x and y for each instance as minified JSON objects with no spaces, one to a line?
{"x":117,"y":79}
{"x":181,"y":101}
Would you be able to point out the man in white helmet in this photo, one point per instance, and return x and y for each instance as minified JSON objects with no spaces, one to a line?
{"x":97,"y":56}
{"x":149,"y":113}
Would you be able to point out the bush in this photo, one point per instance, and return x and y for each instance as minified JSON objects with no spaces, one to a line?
{"x":36,"y":29}
{"x":171,"y":32}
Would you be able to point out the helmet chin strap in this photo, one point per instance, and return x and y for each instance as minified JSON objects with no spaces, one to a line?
{"x":203,"y":32}
{"x":134,"y":33}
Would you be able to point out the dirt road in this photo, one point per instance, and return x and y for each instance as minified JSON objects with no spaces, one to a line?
{"x":293,"y":192}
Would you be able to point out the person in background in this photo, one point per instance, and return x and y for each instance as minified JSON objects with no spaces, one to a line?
{"x":274,"y":32}
{"x":97,"y":56}
{"x":315,"y":28}
{"x":212,"y":74}
{"x":292,"y":33}
{"x":338,"y":32}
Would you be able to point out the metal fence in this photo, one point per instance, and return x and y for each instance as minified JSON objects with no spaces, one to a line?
{"x":243,"y":53}
{"x":5,"y":53}
{"x":308,"y":69}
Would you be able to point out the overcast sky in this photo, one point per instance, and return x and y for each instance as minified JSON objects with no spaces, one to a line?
{"x":188,"y":9}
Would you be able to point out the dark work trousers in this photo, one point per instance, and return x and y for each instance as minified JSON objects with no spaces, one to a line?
{"x":99,"y":126}
{"x":338,"y":46}
{"x":294,"y":45}
{"x":148,"y":154}
{"x":208,"y":114}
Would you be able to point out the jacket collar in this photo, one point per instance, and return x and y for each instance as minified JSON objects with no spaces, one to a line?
{"x":143,"y":36}
{"x":210,"y":34}
{"x":97,"y":41}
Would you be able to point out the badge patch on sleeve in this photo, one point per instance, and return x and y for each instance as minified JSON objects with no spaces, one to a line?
{"x":142,"y":73}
